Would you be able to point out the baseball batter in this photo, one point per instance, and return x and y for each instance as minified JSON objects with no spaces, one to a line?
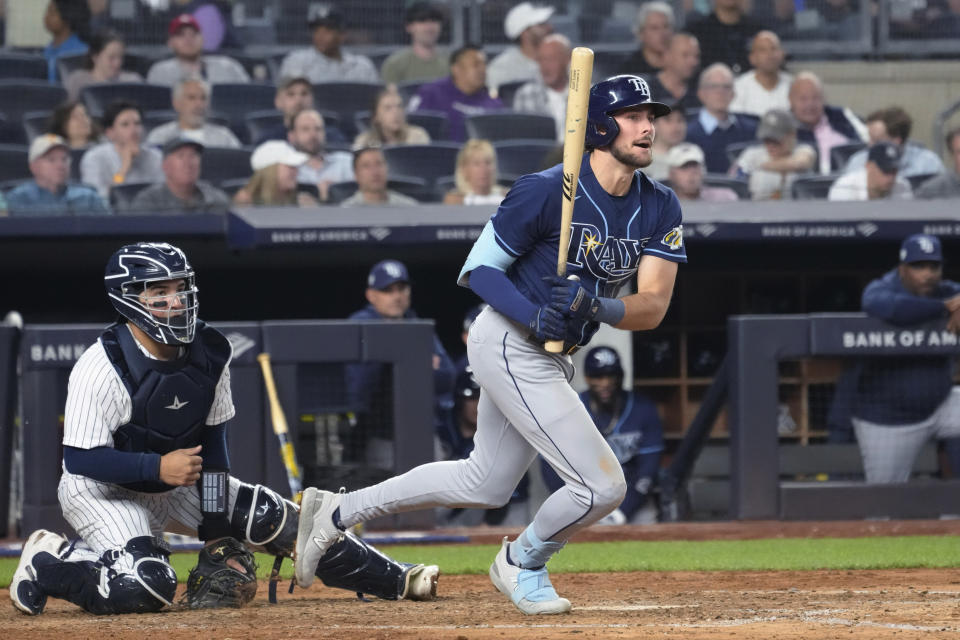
{"x":145,"y":444}
{"x":625,"y":227}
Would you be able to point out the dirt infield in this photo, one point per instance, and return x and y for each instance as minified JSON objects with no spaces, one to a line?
{"x":808,"y":605}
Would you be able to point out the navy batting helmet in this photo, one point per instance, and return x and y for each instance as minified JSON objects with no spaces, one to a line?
{"x":602,"y":361}
{"x":170,"y":319}
{"x":613,"y":94}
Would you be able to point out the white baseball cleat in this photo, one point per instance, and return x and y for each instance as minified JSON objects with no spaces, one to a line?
{"x":529,"y":590}
{"x":316,"y":532}
{"x":25,"y":592}
{"x":420,"y":582}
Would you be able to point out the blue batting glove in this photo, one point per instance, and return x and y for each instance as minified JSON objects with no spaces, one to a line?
{"x":572,"y":300}
{"x":548,"y":324}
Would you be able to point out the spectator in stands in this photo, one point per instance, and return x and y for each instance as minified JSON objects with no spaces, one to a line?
{"x":104,"y":64}
{"x":725,"y":35}
{"x":308,"y":135}
{"x":274,"y":182}
{"x":686,"y":164}
{"x":186,"y":42}
{"x":123,"y":158}
{"x":673,"y":84}
{"x":766,"y":86}
{"x":902,"y":402}
{"x":191,"y":101}
{"x":68,"y":22}
{"x":839,"y":19}
{"x":631,"y":425}
{"x":893,"y":124}
{"x":820,"y":125}
{"x":671,"y":131}
{"x":877,"y":180}
{"x":214,"y":18}
{"x":294,"y":94}
{"x":714,"y":127}
{"x":653,"y":28}
{"x":370,"y":168}
{"x":423,"y":60}
{"x":547,"y":95}
{"x":463,"y":92}
{"x":476,"y":176}
{"x":388,"y":296}
{"x":772,"y":167}
{"x":526,"y":25}
{"x":325,"y":61}
{"x":388,"y":124}
{"x":182,"y":190}
{"x":49,"y":193}
{"x":947,"y":184}
{"x":71,"y":122}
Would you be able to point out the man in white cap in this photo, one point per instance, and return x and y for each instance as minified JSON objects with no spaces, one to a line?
{"x":686,"y":164}
{"x":526,"y":26}
{"x":48,"y":194}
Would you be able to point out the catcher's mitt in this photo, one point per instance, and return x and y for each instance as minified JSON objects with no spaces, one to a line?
{"x":213,"y":583}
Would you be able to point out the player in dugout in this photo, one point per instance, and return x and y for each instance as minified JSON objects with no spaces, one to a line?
{"x":145,"y":451}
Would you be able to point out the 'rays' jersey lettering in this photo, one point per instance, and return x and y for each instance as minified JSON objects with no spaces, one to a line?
{"x":609,"y":234}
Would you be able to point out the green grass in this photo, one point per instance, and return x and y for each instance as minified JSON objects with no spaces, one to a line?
{"x":797,"y":554}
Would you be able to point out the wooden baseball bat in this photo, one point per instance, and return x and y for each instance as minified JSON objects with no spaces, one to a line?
{"x":280,"y":427}
{"x":578,"y":99}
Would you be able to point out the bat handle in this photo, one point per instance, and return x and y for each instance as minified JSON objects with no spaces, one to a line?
{"x":553,"y":346}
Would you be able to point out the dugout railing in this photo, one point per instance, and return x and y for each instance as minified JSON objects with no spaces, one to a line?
{"x":756,"y":344}
{"x":48,"y":352}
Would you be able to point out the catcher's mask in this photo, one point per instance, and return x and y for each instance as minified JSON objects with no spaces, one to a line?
{"x":131,"y":273}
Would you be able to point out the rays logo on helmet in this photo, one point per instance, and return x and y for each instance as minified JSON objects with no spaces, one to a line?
{"x":393,"y":269}
{"x":605,"y":357}
{"x":639,"y":84}
{"x":674,"y":239}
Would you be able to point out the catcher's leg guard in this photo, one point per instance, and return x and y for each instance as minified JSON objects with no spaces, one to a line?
{"x":135,"y":579}
{"x":354,"y":565}
{"x":264,"y":519}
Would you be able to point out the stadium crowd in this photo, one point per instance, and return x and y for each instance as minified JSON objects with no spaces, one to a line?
{"x":204,"y":127}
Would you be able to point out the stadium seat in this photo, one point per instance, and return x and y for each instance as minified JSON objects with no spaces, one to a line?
{"x":741,"y":187}
{"x":507,"y":90}
{"x":435,"y":122}
{"x":35,"y":124}
{"x":149,"y":97}
{"x":236,"y":100}
{"x":518,"y":157}
{"x":13,"y":162}
{"x":220,"y":163}
{"x":68,"y":64}
{"x":734,"y":149}
{"x":75,"y":156}
{"x":153,"y":119}
{"x":257,"y":67}
{"x":22,"y":66}
{"x":840,"y":154}
{"x":416,"y":188}
{"x":345,"y":99}
{"x":427,"y":161}
{"x":230,"y":187}
{"x":122,"y":195}
{"x":916,"y":181}
{"x":257,"y":123}
{"x":812,"y":187}
{"x":20,"y":96}
{"x":406,"y":90}
{"x":511,"y":125}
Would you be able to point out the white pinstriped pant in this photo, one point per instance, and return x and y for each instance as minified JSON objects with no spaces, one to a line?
{"x":888,"y":451}
{"x":106,"y":515}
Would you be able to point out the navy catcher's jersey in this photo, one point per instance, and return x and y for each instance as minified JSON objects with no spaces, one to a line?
{"x":608,"y":236}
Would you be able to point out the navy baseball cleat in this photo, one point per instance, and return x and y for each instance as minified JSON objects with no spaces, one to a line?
{"x":529,"y":590}
{"x":25,"y":591}
{"x":316,"y":532}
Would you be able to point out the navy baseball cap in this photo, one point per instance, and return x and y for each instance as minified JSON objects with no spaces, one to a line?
{"x":386,"y":272}
{"x":921,"y":247}
{"x":602,"y":361}
{"x":886,"y":156}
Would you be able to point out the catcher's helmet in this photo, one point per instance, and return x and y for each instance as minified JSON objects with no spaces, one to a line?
{"x":131,"y":269}
{"x":602,"y":361}
{"x":613,"y":94}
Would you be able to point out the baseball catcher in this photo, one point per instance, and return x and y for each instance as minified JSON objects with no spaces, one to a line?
{"x":145,"y":446}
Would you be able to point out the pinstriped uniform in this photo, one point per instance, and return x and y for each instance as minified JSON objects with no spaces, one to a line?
{"x":104,"y":514}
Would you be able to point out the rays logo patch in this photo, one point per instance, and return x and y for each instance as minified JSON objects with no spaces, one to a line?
{"x":674,"y":239}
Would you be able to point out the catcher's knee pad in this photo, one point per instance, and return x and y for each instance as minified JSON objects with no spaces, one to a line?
{"x":136,"y":578}
{"x":263,"y":518}
{"x":354,"y":565}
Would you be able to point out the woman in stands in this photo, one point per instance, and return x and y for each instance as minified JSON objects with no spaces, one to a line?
{"x":274,"y":181}
{"x":388,"y":124}
{"x":476,"y":176}
{"x":71,"y":122}
{"x":104,"y":64}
